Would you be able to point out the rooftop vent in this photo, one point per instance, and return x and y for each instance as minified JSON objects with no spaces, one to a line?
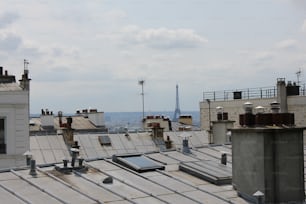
{"x":275,"y":107}
{"x":186,"y":148}
{"x":33,"y":168}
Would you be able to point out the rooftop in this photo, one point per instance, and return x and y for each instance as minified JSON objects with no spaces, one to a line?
{"x":170,"y":184}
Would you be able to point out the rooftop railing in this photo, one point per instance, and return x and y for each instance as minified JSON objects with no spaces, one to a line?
{"x":248,"y":93}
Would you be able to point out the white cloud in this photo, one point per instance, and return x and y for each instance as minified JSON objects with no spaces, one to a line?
{"x":164,"y":38}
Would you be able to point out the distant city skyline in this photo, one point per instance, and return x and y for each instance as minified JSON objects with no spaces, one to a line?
{"x":92,"y":54}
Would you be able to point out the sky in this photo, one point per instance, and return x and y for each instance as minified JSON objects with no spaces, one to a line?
{"x":91,"y":54}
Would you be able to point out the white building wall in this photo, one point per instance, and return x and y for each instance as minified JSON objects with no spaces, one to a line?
{"x":47,"y":120}
{"x":233,"y":107}
{"x":14,"y":108}
{"x":22,"y":130}
{"x":97,"y":118}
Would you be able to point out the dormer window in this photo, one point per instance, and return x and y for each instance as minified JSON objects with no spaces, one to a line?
{"x":2,"y":136}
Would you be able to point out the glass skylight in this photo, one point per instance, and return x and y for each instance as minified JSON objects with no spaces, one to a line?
{"x":138,"y":163}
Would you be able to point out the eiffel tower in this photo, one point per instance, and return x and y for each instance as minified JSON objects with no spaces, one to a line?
{"x":177,"y":111}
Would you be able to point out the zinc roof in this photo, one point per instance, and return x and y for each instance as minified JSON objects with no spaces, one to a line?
{"x":171,"y":185}
{"x":161,"y":186}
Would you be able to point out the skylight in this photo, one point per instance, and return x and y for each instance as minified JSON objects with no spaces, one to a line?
{"x":138,"y":163}
{"x":105,"y":140}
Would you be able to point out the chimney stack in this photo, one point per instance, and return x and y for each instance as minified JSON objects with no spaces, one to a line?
{"x":282,"y":95}
{"x":221,"y":127}
{"x":268,"y":156}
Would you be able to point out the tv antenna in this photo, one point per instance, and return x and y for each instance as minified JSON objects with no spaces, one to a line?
{"x":25,"y":64}
{"x":298,"y":75}
{"x":141,"y":83}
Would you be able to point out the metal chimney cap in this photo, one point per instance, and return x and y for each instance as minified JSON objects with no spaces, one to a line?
{"x":248,"y":107}
{"x":259,"y":109}
{"x":248,"y":103}
{"x":219,"y":109}
{"x":274,"y":103}
{"x":27,"y":153}
{"x":258,"y":193}
{"x":74,"y":150}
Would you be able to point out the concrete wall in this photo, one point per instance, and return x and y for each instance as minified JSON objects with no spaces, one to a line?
{"x":219,"y":131}
{"x":270,"y":160}
{"x":296,"y":105}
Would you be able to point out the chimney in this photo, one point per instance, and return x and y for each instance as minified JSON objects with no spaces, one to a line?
{"x":68,"y":132}
{"x":220,"y":127}
{"x":223,"y":158}
{"x":268,"y":156}
{"x":47,"y":119}
{"x":186,"y":148}
{"x":33,"y":168}
{"x":282,"y":95}
{"x":97,"y":118}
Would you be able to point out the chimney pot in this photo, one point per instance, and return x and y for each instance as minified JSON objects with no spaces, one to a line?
{"x":259,"y":196}
{"x":33,"y":168}
{"x":275,"y":107}
{"x":223,"y":158}
{"x":248,"y":107}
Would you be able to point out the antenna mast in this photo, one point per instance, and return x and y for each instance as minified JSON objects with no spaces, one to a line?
{"x":298,"y":75}
{"x":141,"y":83}
{"x":25,"y":64}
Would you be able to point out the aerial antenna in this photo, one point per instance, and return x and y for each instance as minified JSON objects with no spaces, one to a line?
{"x":298,"y":75}
{"x":141,"y":83}
{"x":25,"y":64}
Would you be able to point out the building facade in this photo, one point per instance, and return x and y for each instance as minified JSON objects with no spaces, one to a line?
{"x":14,"y":120}
{"x":295,"y":102}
